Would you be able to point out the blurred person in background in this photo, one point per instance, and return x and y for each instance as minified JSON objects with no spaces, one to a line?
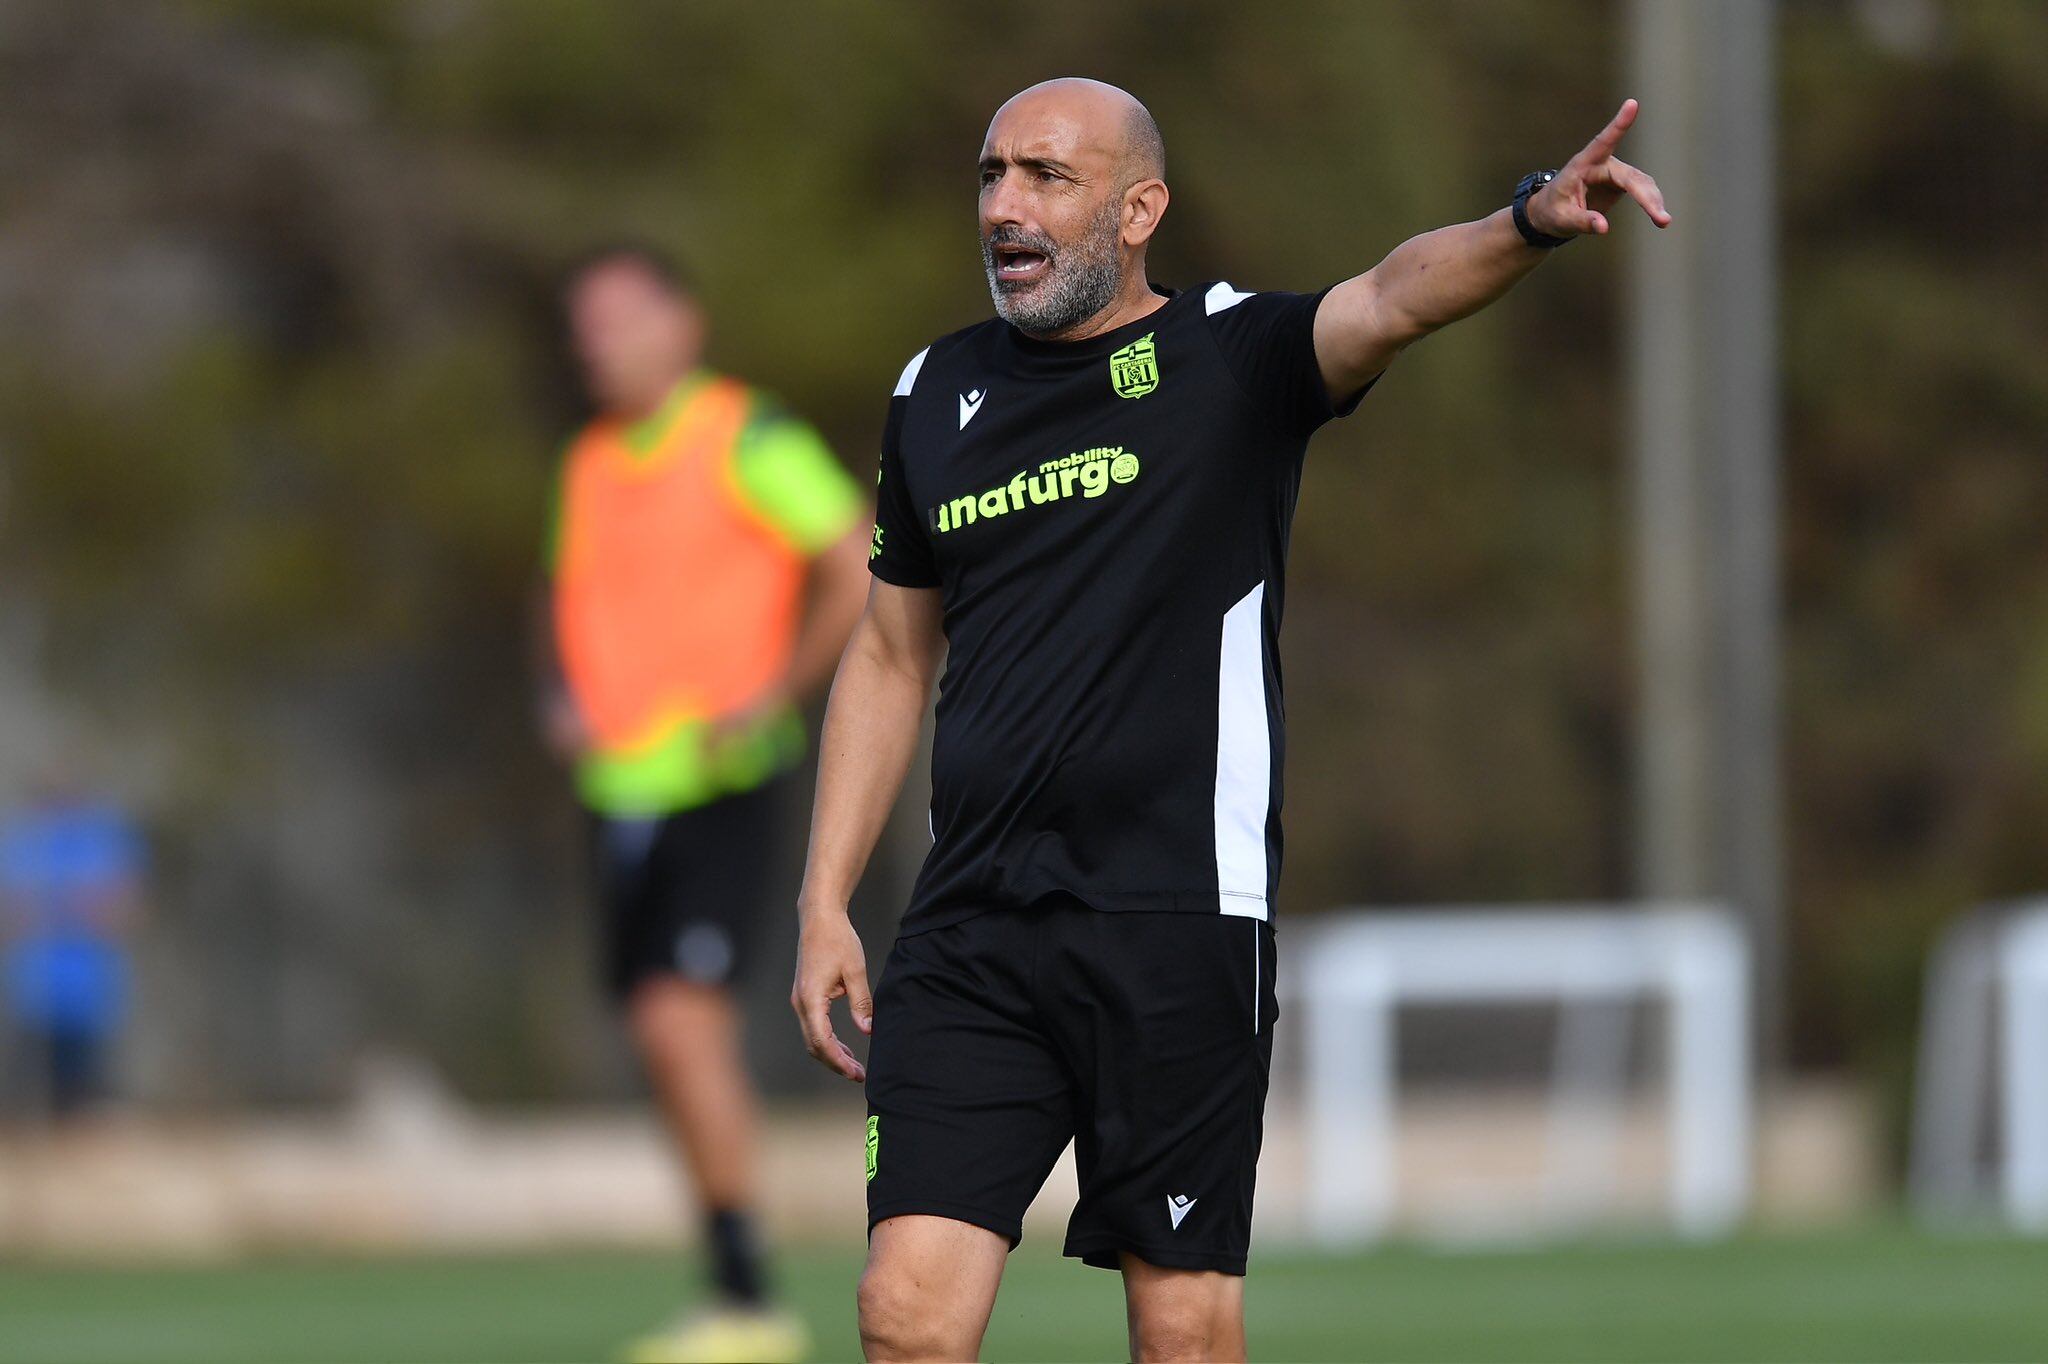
{"x":71,"y":894}
{"x":707,"y":566}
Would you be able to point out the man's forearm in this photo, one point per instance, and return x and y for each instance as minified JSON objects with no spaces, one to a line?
{"x":1432,"y":280}
{"x":870,"y":736}
{"x":1425,"y":283}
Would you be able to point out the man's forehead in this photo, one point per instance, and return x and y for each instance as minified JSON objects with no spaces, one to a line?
{"x":1047,"y":127}
{"x":623,"y":278}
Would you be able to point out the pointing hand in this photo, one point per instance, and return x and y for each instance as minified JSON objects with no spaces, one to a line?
{"x":1576,"y":203}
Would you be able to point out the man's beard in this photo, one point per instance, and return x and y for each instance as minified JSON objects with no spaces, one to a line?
{"x":1079,"y":281}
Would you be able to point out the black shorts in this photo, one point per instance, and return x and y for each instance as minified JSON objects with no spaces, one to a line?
{"x":683,"y":894}
{"x":1145,"y":1038}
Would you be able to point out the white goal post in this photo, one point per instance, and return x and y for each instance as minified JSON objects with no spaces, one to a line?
{"x":1352,"y":970}
{"x":1984,"y":1053}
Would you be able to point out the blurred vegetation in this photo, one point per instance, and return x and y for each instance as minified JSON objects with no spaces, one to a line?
{"x":280,"y":389}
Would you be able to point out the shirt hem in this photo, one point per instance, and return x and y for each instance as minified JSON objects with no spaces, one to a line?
{"x":925,"y":918}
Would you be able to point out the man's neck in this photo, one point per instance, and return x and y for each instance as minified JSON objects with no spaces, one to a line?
{"x":1135,"y":300}
{"x":645,"y":427}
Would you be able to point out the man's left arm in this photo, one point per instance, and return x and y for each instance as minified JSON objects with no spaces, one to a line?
{"x":1431,"y":281}
{"x":789,"y":477}
{"x":837,"y":590}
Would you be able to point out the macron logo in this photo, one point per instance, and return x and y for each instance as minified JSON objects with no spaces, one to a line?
{"x":970,"y":403}
{"x":1178,"y":1206}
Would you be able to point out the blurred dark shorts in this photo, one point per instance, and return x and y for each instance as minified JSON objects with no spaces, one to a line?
{"x":683,"y":895}
{"x":66,"y":1065}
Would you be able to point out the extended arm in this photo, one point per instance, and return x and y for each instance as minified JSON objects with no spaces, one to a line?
{"x":871,"y":728}
{"x":1432,"y":280}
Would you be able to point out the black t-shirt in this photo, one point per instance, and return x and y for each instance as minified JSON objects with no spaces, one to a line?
{"x":1107,"y":522}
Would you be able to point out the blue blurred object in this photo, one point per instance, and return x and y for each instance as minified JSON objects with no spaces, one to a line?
{"x":69,"y":871}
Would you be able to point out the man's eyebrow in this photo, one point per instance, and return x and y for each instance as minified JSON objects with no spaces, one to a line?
{"x":993,"y":162}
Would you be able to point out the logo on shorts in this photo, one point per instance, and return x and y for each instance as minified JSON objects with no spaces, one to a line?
{"x":1134,"y":370}
{"x":875,"y":1146}
{"x":1178,"y":1206}
{"x":703,"y":952}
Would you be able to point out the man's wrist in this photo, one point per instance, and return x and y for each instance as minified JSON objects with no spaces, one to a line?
{"x":809,"y":907}
{"x":1526,"y":194}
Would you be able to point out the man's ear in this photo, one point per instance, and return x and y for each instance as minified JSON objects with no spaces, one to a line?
{"x":1144,"y":205}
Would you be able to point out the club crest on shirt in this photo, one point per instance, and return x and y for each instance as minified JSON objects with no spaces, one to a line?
{"x":1134,"y":370}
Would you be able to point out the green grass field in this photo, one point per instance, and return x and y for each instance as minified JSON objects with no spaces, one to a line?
{"x":1875,"y":1295}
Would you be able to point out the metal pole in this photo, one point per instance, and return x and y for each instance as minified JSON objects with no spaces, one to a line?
{"x":1746,"y":413}
{"x":1704,"y":415}
{"x":1674,"y":742}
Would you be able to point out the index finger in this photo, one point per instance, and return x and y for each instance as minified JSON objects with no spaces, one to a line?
{"x":1608,"y":138}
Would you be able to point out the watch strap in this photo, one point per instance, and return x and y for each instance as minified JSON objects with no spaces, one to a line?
{"x":1530,"y":183}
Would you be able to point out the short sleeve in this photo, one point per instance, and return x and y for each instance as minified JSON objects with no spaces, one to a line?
{"x":1269,"y":343}
{"x":901,"y":551}
{"x":788,"y":476}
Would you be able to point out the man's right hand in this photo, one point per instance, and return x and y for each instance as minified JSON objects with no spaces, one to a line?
{"x":870,"y":736}
{"x":830,"y":963}
{"x":568,"y":738}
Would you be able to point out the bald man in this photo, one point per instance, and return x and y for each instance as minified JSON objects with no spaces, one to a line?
{"x":1084,"y":507}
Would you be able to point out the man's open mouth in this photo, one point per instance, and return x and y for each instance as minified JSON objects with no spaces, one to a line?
{"x":1020,"y":264}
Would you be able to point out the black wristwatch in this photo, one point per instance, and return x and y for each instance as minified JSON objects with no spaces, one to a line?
{"x":1532,"y":182}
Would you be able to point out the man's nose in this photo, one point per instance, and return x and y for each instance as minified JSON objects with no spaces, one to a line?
{"x":1001,"y":203}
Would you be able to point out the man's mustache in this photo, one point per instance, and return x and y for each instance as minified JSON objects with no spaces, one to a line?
{"x":1018,"y":237}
